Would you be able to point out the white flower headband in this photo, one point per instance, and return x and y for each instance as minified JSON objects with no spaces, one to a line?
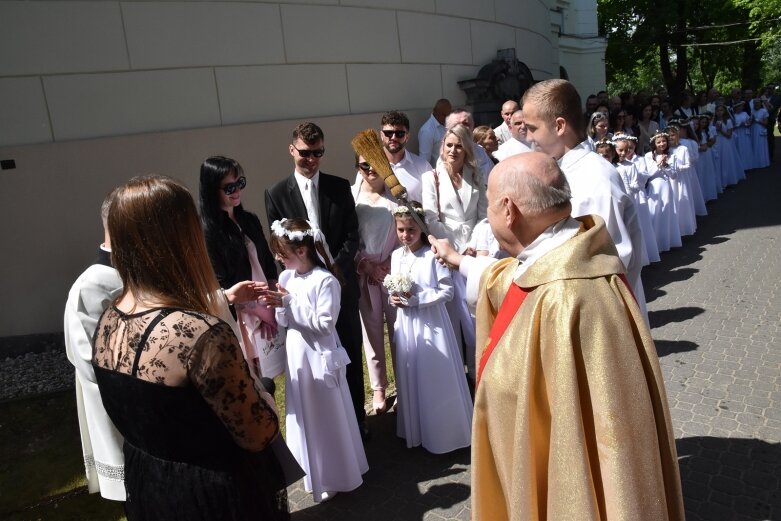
{"x":401,"y":210}
{"x":659,"y":134}
{"x":279,"y":230}
{"x":623,"y":137}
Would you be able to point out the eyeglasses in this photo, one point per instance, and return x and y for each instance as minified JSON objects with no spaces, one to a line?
{"x":398,"y":133}
{"x":365,"y":166}
{"x":239,"y":184}
{"x":309,"y":153}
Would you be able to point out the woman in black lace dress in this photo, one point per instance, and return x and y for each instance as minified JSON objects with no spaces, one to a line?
{"x":172,"y":375}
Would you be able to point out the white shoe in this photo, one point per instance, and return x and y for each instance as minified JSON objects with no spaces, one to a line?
{"x":325,"y":496}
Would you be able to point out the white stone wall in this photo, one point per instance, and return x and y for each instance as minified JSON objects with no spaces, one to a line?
{"x":94,"y":92}
{"x":84,"y":69}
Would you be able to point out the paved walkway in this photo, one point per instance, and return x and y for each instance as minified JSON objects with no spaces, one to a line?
{"x":715,"y":309}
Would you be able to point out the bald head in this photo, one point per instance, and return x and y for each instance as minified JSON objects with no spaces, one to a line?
{"x":508,"y":108}
{"x":527,"y":193}
{"x":533,"y":181}
{"x":441,"y":110}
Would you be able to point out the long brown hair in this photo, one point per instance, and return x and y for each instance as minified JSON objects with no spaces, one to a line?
{"x":312,"y":247}
{"x":158,"y":246}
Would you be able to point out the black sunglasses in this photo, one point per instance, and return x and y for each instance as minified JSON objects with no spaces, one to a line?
{"x":398,"y":133}
{"x":309,"y":153}
{"x":365,"y":166}
{"x":239,"y":184}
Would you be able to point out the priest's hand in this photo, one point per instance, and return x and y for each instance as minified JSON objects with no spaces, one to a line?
{"x":446,"y":254}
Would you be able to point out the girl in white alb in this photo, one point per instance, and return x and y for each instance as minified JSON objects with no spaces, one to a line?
{"x":434,"y":408}
{"x":322,"y":430}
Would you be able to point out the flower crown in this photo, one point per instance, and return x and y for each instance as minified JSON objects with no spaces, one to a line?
{"x":624,"y":137}
{"x":279,"y":230}
{"x":659,"y":134}
{"x":605,"y":141}
{"x":402,"y":210}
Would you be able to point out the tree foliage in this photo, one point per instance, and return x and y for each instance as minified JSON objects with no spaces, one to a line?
{"x":659,"y":43}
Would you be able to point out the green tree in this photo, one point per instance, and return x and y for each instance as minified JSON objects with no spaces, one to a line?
{"x":686,"y":44}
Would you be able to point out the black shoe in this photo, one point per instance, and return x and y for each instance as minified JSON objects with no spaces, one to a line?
{"x":364,"y":431}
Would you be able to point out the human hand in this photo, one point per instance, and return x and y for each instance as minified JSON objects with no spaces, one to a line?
{"x":399,"y":300}
{"x":244,"y":291}
{"x":445,"y":253}
{"x":378,"y":272}
{"x":273,"y":299}
{"x":469,"y":251}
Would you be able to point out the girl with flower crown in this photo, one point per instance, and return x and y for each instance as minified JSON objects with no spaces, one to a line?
{"x":661,"y":168}
{"x":322,"y":430}
{"x":634,"y":184}
{"x":434,"y":408}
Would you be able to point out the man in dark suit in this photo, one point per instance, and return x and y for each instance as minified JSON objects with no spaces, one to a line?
{"x":327,"y":202}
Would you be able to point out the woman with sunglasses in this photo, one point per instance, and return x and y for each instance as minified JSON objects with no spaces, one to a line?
{"x":238,"y":250}
{"x":373,"y":205}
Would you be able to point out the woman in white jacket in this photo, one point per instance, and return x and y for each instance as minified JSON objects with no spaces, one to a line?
{"x":454,"y":200}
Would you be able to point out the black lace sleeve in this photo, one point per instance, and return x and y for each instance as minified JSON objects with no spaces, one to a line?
{"x":218,"y":370}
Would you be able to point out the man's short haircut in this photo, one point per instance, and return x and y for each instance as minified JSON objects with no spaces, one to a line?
{"x":557,"y":99}
{"x":395,"y":118}
{"x":309,"y":133}
{"x":450,"y":119}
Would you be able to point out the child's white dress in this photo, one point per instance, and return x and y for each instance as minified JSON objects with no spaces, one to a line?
{"x":322,"y":431}
{"x":661,"y":203}
{"x":634,"y":184}
{"x":434,"y":408}
{"x":759,"y":138}
{"x":742,"y":135}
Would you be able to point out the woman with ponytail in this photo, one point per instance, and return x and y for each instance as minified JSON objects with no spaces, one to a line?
{"x":322,"y":429}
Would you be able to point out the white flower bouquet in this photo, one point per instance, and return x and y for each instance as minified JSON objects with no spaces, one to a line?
{"x":397,"y":283}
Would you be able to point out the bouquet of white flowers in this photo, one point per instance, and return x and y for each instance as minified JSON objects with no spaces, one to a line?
{"x":397,"y":283}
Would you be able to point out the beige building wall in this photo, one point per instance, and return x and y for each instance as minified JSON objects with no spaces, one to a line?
{"x":92,"y":93}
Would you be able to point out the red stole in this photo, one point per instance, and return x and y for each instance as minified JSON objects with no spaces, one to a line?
{"x":510,"y":304}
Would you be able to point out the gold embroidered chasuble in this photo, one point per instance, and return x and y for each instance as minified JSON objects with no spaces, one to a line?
{"x":571,"y":419}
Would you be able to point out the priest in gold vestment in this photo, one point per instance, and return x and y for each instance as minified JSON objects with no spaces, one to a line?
{"x":571,"y":419}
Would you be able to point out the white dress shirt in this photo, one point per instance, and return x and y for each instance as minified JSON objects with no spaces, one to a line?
{"x":511,"y":148}
{"x":503,"y":134}
{"x":430,"y":138}
{"x":313,"y":213}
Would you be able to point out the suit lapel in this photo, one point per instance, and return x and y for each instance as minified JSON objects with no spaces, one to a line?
{"x":296,"y":199}
{"x":324,"y":200}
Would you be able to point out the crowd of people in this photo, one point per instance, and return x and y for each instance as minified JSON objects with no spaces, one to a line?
{"x":178,"y":332}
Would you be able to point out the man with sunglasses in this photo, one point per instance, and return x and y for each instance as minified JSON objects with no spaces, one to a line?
{"x":406,"y":166}
{"x":327,"y":202}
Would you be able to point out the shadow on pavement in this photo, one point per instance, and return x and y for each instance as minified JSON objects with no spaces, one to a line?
{"x":666,"y":316}
{"x":669,"y":347}
{"x":730,"y":478}
{"x":728,"y":214}
{"x":402,"y":484}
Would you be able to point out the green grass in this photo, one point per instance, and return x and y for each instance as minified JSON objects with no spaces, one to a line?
{"x":41,"y":468}
{"x":41,"y":460}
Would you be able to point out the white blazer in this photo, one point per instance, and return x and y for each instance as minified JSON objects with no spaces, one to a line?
{"x":459,"y":211}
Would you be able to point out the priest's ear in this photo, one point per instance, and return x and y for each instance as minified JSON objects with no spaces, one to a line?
{"x":511,"y":212}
